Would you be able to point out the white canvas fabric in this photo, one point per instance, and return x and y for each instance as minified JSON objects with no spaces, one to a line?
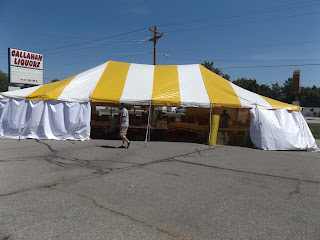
{"x":18,"y":94}
{"x":81,"y":87}
{"x":280,"y":130}
{"x":138,"y":87}
{"x":193,"y":92}
{"x":44,"y":119}
{"x":249,"y":99}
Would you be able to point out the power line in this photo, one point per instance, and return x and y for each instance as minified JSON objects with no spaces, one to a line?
{"x":264,"y":10}
{"x":242,"y":46}
{"x":240,"y":67}
{"x":275,"y":66}
{"x":142,"y":40}
{"x":95,"y":40}
{"x":233,"y":25}
{"x":241,"y":14}
{"x":212,"y":49}
{"x":189,"y":59}
{"x":268,"y":60}
{"x":246,"y":60}
{"x":104,"y":59}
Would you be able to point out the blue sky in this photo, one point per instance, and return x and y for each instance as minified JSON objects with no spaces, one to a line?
{"x":75,"y":36}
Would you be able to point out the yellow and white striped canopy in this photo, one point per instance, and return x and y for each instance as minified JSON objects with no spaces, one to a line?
{"x":138,"y":84}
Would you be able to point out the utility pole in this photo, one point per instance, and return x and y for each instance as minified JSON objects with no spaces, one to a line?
{"x":156,"y":36}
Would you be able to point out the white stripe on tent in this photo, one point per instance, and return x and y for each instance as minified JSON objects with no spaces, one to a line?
{"x":249,"y":99}
{"x":193,"y":92}
{"x":20,"y":94}
{"x":138,"y":85}
{"x":81,"y":87}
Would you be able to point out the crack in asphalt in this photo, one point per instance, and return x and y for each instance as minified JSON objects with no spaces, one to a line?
{"x":30,"y":189}
{"x":287,"y":153}
{"x":149,"y":225}
{"x":76,"y":162}
{"x":117,"y":170}
{"x":7,"y":148}
{"x":16,"y":160}
{"x":137,"y":220}
{"x":49,"y":147}
{"x":86,"y":163}
{"x":248,"y":172}
{"x":100,"y":171}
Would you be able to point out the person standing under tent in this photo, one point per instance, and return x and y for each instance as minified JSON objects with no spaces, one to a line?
{"x":124,"y":125}
{"x":224,"y":118}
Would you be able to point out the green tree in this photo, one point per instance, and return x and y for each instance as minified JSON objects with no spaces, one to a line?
{"x":310,"y":97}
{"x":287,"y":91}
{"x":3,"y":82}
{"x":209,"y":65}
{"x":276,"y":91}
{"x":249,"y":84}
{"x":266,"y":91}
{"x":55,"y":80}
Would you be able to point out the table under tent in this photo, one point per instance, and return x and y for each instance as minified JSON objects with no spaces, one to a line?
{"x":71,"y":108}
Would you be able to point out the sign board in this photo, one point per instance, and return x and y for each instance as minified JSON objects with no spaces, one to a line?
{"x":25,"y":67}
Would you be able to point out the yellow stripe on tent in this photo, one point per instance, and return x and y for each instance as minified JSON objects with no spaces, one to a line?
{"x":50,"y":91}
{"x":166,"y":90}
{"x":110,"y":86}
{"x":280,"y":105}
{"x":220,"y":91}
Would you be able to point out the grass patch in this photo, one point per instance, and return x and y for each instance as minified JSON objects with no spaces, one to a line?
{"x":315,"y":131}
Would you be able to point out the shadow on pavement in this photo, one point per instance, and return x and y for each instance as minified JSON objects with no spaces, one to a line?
{"x":109,"y":147}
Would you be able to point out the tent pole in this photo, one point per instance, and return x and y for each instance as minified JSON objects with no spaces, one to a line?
{"x":214,"y":127}
{"x":210,"y":124}
{"x":148,"y":127}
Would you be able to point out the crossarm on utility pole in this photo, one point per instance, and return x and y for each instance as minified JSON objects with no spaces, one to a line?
{"x":157,"y":35}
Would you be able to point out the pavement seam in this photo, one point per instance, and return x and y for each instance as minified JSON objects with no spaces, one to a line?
{"x":48,"y":186}
{"x":52,"y":187}
{"x":287,"y":153}
{"x":93,"y":175}
{"x":101,"y":172}
{"x":242,"y":171}
{"x":149,"y":225}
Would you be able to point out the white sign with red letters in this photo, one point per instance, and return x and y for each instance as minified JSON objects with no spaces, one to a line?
{"x":25,"y":67}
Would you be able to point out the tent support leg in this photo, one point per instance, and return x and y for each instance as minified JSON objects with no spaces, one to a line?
{"x":148,"y":127}
{"x":210,"y":125}
{"x":214,"y":126}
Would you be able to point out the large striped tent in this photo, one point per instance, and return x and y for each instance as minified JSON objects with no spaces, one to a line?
{"x":139,"y":84}
{"x":62,"y":110}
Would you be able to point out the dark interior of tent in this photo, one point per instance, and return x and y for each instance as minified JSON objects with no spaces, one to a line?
{"x":174,"y":124}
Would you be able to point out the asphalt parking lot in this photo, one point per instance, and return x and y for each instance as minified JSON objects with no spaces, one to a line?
{"x":94,"y":190}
